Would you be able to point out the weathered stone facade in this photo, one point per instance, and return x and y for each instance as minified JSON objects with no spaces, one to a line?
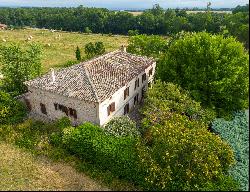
{"x":118,"y":97}
{"x":93,"y":91}
{"x":86,"y":111}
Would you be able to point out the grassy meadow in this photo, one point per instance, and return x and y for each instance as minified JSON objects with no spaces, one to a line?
{"x":59,"y":46}
{"x":20,"y":170}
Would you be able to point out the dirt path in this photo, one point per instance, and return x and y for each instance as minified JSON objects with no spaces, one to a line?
{"x":20,"y":170}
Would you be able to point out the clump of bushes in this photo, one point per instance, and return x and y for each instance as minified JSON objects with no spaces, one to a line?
{"x":236,"y":133}
{"x":116,"y":154}
{"x":121,"y":126}
{"x":11,"y":110}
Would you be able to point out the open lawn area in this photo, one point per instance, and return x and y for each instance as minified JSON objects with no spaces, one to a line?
{"x":59,"y":47}
{"x":19,"y":170}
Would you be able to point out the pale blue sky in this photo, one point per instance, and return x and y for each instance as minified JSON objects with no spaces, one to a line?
{"x":125,"y":3}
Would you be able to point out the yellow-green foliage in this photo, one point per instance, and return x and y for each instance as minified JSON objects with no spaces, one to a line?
{"x":177,"y":150}
{"x":182,"y":155}
{"x":59,"y":47}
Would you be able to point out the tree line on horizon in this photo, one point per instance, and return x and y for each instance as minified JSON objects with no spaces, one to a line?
{"x":157,"y":20}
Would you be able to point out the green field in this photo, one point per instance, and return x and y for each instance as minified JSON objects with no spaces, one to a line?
{"x":59,"y":46}
{"x":19,"y":170}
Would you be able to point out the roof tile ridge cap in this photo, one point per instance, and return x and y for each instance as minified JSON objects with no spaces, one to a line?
{"x":91,"y":83}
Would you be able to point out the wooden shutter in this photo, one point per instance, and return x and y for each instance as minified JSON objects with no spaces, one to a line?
{"x":126,"y":93}
{"x":135,"y":84}
{"x":112,"y":107}
{"x":138,"y":82}
{"x":108,"y":110}
{"x":150,"y":72}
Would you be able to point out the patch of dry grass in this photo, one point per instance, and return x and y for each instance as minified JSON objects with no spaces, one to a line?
{"x":20,"y":170}
{"x":59,"y":47}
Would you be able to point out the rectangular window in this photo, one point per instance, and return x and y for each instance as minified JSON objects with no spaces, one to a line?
{"x":126,"y":93}
{"x":111,"y":108}
{"x":136,"y":99}
{"x":72,"y":112}
{"x":144,"y":77}
{"x":150,"y":72}
{"x":126,"y":109}
{"x":137,"y":83}
{"x":43,"y":108}
{"x":56,"y":106}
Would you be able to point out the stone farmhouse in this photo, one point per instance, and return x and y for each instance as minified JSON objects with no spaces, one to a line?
{"x":95,"y":91}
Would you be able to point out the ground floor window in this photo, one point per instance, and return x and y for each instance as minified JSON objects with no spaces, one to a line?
{"x":43,"y":108}
{"x":126,"y":109}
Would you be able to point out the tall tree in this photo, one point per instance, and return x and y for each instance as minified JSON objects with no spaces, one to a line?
{"x":213,"y":68}
{"x":19,"y":64}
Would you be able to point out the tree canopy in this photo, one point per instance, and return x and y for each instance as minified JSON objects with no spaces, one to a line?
{"x":214,"y":69}
{"x":19,"y":64}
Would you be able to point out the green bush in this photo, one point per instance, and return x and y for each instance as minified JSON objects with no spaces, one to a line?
{"x":116,"y":154}
{"x":63,"y":123}
{"x":121,"y":126}
{"x":236,"y":132}
{"x":165,"y":98}
{"x":179,"y":154}
{"x":11,"y":110}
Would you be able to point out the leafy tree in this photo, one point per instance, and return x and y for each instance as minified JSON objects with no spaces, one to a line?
{"x":213,"y":68}
{"x":133,"y":32}
{"x":11,"y":110}
{"x":147,"y":45}
{"x":177,"y":151}
{"x":96,"y":49}
{"x":87,"y":30}
{"x":19,"y":65}
{"x":78,"y":54}
{"x":167,"y":97}
{"x":244,"y":8}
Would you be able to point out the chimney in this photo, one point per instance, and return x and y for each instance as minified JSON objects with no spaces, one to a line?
{"x":123,"y":48}
{"x":53,"y":75}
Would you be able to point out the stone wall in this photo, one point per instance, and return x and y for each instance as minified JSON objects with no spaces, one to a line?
{"x":86,"y":111}
{"x":118,"y":97}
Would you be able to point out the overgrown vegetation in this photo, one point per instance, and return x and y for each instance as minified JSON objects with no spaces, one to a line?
{"x":19,"y":64}
{"x":236,"y":133}
{"x":11,"y":110}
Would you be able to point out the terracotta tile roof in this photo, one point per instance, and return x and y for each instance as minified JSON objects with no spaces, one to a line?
{"x":94,"y":80}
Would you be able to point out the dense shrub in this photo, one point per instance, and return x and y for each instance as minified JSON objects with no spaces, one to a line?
{"x":121,"y":126}
{"x":116,"y":154}
{"x":213,"y":68}
{"x":165,"y":98}
{"x":236,"y":132}
{"x":180,"y":154}
{"x":11,"y":110}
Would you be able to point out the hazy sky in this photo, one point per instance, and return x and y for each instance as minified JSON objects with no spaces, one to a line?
{"x":125,"y":3}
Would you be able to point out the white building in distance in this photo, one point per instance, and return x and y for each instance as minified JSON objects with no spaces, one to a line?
{"x":95,"y":91}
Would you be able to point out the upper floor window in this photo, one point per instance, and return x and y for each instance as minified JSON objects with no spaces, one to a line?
{"x":137,"y":83}
{"x":143,"y":77}
{"x":126,"y":93}
{"x":150,"y":72}
{"x":111,"y":108}
{"x":43,"y":108}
